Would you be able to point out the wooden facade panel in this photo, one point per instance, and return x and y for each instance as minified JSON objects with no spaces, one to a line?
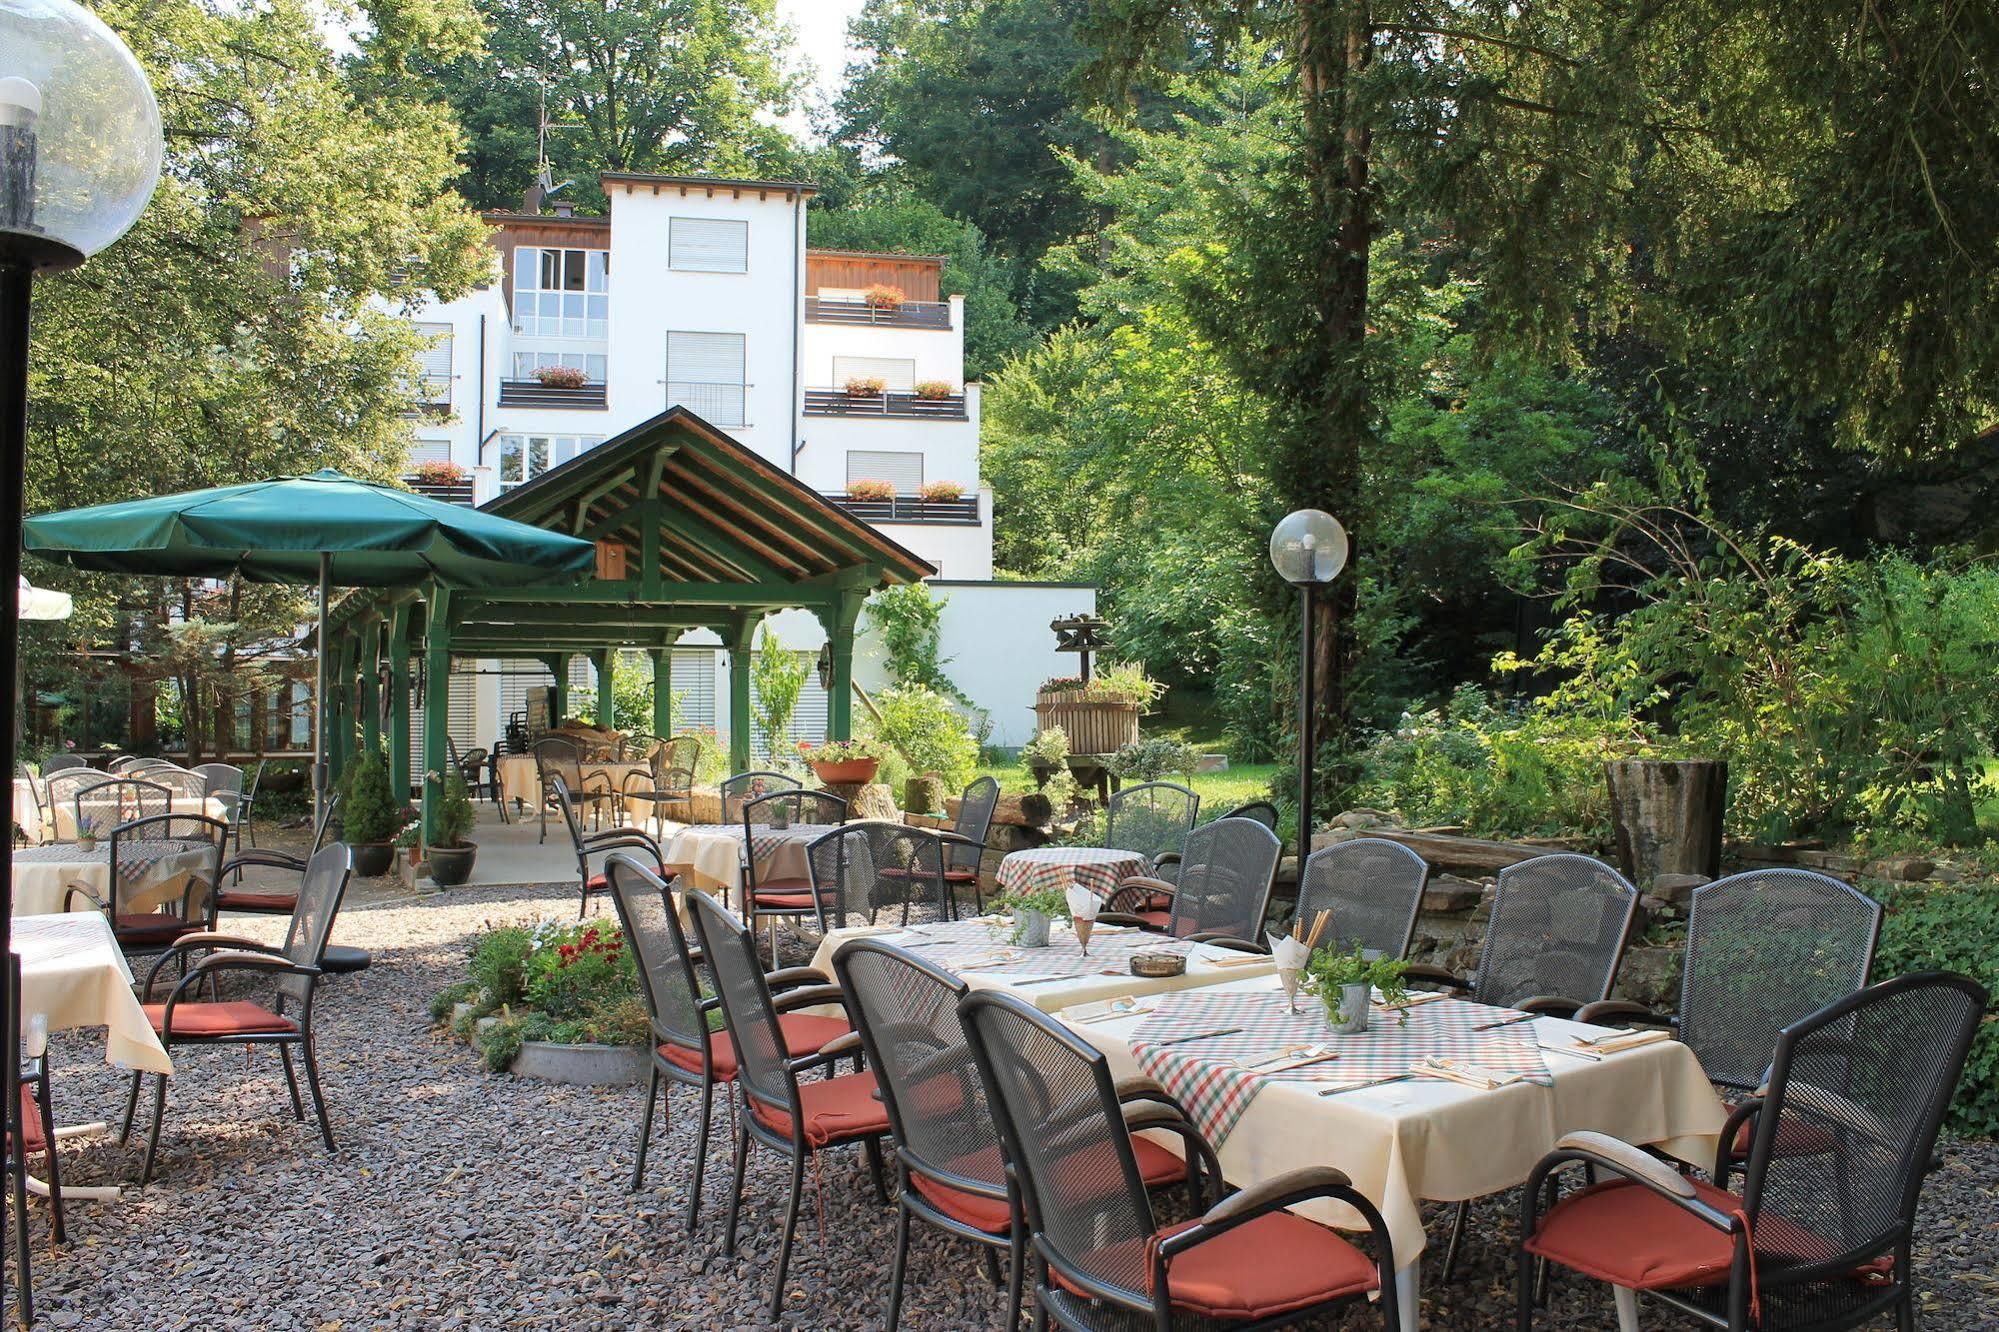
{"x":916,"y":276}
{"x":568,"y":233}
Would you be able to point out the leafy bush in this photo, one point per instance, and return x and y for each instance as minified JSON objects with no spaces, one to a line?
{"x":455,"y":817}
{"x":779,"y":675}
{"x":575,"y":982}
{"x":1112,"y":682}
{"x":906,"y":620}
{"x":499,"y":963}
{"x":1950,"y":927}
{"x":921,"y":726}
{"x":1149,"y":760}
{"x":369,"y":811}
{"x":1499,"y":770}
{"x":574,"y":971}
{"x":1049,"y":745}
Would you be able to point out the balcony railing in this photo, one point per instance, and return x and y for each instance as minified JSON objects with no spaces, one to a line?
{"x":910,"y":314}
{"x":534,"y":393}
{"x":912,"y":509}
{"x":451,"y":492}
{"x":902,"y":406}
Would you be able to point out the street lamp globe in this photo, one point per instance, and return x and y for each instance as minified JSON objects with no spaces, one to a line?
{"x":80,"y":140}
{"x":1308,"y":548}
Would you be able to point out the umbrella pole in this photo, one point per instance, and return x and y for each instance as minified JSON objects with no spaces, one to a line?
{"x":319,"y":693}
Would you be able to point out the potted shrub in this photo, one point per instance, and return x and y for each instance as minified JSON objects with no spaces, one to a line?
{"x":554,"y":1000}
{"x":1346,"y":982}
{"x":939,"y":492}
{"x":934,"y":390}
{"x":866,"y":386}
{"x":867,"y":489}
{"x":452,"y":854}
{"x":843,"y":762}
{"x":439,"y":473}
{"x":1100,"y":715}
{"x":1032,"y":914}
{"x":370,"y":816}
{"x":560,"y":376}
{"x":881,"y":296}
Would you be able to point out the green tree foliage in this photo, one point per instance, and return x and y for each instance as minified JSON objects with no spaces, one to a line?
{"x":779,"y":676}
{"x":905,"y":620}
{"x":887,"y":216}
{"x":369,"y":811}
{"x":248,"y":325}
{"x":672,"y":86}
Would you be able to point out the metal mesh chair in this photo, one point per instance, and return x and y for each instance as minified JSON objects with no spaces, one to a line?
{"x":668,"y":781}
{"x":1152,"y":820}
{"x":29,"y":1129}
{"x":149,"y":909}
{"x":140,"y":767}
{"x":1106,"y":1262}
{"x":1817,"y":1239}
{"x":188,"y":787}
{"x":1223,"y":893}
{"x":223,"y":783}
{"x":866,"y":867}
{"x":965,"y":845}
{"x":762,"y":815}
{"x":1262,"y":811}
{"x":480,"y":772}
{"x":796,"y":1119}
{"x":99,"y":805}
{"x":1370,"y":888}
{"x":744,"y":787}
{"x":294,"y":971}
{"x":115,"y":767}
{"x":1764,"y":949}
{"x":267,"y":901}
{"x":590,"y":883}
{"x":44,"y":818}
{"x":559,"y":757}
{"x":63,"y":763}
{"x":247,"y":807}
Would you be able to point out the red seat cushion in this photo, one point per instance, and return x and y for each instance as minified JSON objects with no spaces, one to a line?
{"x":778,"y":900}
{"x":1156,"y":1166}
{"x":1624,"y":1233}
{"x":1157,"y":920}
{"x":803,"y":1033}
{"x":34,"y":1138}
{"x":237,"y":900}
{"x":1274,"y":1265}
{"x":151,"y":927}
{"x":961,"y":876}
{"x":231,"y":1017}
{"x":835,"y":1109}
{"x":1795,"y":1137}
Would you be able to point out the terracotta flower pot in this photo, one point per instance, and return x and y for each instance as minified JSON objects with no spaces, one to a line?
{"x":854,"y":772}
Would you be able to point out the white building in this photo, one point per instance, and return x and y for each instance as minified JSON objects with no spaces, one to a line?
{"x":700,"y":292}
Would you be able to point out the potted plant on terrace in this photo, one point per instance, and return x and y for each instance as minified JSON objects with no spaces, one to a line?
{"x":1032,"y":914}
{"x":1346,"y":982}
{"x":939,"y":492}
{"x":869,"y":489}
{"x":934,"y":390}
{"x":560,"y":376}
{"x":452,"y":854}
{"x":369,"y":815}
{"x":881,"y":296}
{"x":843,"y":762}
{"x":866,"y":386}
{"x":1100,"y":715}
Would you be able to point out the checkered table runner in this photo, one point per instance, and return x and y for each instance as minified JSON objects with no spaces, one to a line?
{"x":767,"y":839}
{"x":1056,"y":867}
{"x":141,"y":860}
{"x":948,"y":943}
{"x":1216,"y":1090}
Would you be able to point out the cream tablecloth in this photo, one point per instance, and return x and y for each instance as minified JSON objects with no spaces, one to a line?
{"x":41,"y":873}
{"x":28,"y":813}
{"x":1409,"y":1141}
{"x":713,"y":854}
{"x":518,"y":780}
{"x":73,"y":974}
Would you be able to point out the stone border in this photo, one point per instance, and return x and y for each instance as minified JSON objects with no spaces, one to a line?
{"x":581,"y":1065}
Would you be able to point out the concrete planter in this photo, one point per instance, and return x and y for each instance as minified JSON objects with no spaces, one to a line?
{"x":582,"y":1065}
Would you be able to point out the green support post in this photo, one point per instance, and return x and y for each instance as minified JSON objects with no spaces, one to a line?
{"x":558,"y":666}
{"x":334,"y":708}
{"x":839,"y":620}
{"x":606,"y":662}
{"x":399,"y":700}
{"x":371,"y":692}
{"x":662,"y":691}
{"x":741,"y":636}
{"x":436,"y":703}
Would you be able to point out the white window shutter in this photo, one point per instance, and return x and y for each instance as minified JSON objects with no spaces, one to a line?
{"x":437,"y":355}
{"x":904,"y":469}
{"x":708,"y":245}
{"x":899,"y":375}
{"x":704,"y":373}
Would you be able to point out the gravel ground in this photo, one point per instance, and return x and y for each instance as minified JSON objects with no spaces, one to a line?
{"x":465,"y":1200}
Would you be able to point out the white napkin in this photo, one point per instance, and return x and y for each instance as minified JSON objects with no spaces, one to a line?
{"x":1288,"y":953}
{"x":1082,"y":902}
{"x":1464,"y":1074}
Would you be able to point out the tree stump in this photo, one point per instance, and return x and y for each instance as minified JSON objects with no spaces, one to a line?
{"x":1667,"y":815}
{"x":866,"y":800}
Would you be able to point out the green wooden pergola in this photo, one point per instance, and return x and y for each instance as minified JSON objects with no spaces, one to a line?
{"x":694,"y":531}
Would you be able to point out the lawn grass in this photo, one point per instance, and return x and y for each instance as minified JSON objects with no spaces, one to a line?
{"x":1219,"y":791}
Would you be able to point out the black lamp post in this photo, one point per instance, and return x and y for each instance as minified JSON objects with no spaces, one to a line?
{"x":80,"y":152}
{"x":1308,"y":548}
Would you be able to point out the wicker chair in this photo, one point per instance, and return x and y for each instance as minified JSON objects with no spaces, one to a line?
{"x":135,"y":851}
{"x":294,"y":969}
{"x":950,"y":1172}
{"x":590,"y":883}
{"x":1105,"y":1261}
{"x":685,"y":1052}
{"x":1820,"y":1239}
{"x":1558,"y":929}
{"x":744,"y":787}
{"x":1372,"y":890}
{"x":1223,"y":895}
{"x":558,"y":756}
{"x":268,"y":903}
{"x":668,"y":782}
{"x":798,"y":1120}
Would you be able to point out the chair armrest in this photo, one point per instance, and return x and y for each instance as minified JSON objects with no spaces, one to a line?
{"x":258,"y":857}
{"x":204,"y":939}
{"x":1145,"y":883}
{"x":1278,"y":1191}
{"x":1143,"y":1089}
{"x":1226,"y":941}
{"x":245,"y":961}
{"x":809,"y":996}
{"x":1610,"y":1011}
{"x":794,"y":976}
{"x":1435,"y":975}
{"x":1124,"y":918}
{"x":1630,"y":1161}
{"x":840,"y":1046}
{"x":1550,"y":1005}
{"x":75,"y":890}
{"x":1152,"y":1115}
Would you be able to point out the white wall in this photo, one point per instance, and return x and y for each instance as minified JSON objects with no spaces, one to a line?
{"x":950,"y":449}
{"x":939,"y":353}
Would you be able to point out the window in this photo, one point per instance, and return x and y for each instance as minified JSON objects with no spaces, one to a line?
{"x":592,"y":364}
{"x":429,"y":450}
{"x":905,"y":470}
{"x":900,"y":376}
{"x":562,"y":293}
{"x":436,"y":365}
{"x":707,"y":245}
{"x":525,"y":457}
{"x":704,"y":374}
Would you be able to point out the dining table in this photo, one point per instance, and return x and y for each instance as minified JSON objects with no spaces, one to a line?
{"x":710,"y":855}
{"x":38,"y":823}
{"x":153,"y":872}
{"x":1439,"y":1100}
{"x":520,"y":779}
{"x":1054,"y":868}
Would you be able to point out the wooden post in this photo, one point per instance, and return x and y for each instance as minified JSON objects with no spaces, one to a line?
{"x":371,"y":695}
{"x":839,"y":621}
{"x":662,"y":691}
{"x":1667,"y":815}
{"x":740,"y":637}
{"x":606,"y":661}
{"x":436,"y":704}
{"x":399,"y":700}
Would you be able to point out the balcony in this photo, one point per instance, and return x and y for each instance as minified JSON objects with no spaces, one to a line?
{"x":911,"y":509}
{"x":891,"y":406}
{"x":534,"y":393}
{"x":450,"y":492}
{"x":910,"y":314}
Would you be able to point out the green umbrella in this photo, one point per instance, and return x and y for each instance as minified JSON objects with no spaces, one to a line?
{"x":327,"y":528}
